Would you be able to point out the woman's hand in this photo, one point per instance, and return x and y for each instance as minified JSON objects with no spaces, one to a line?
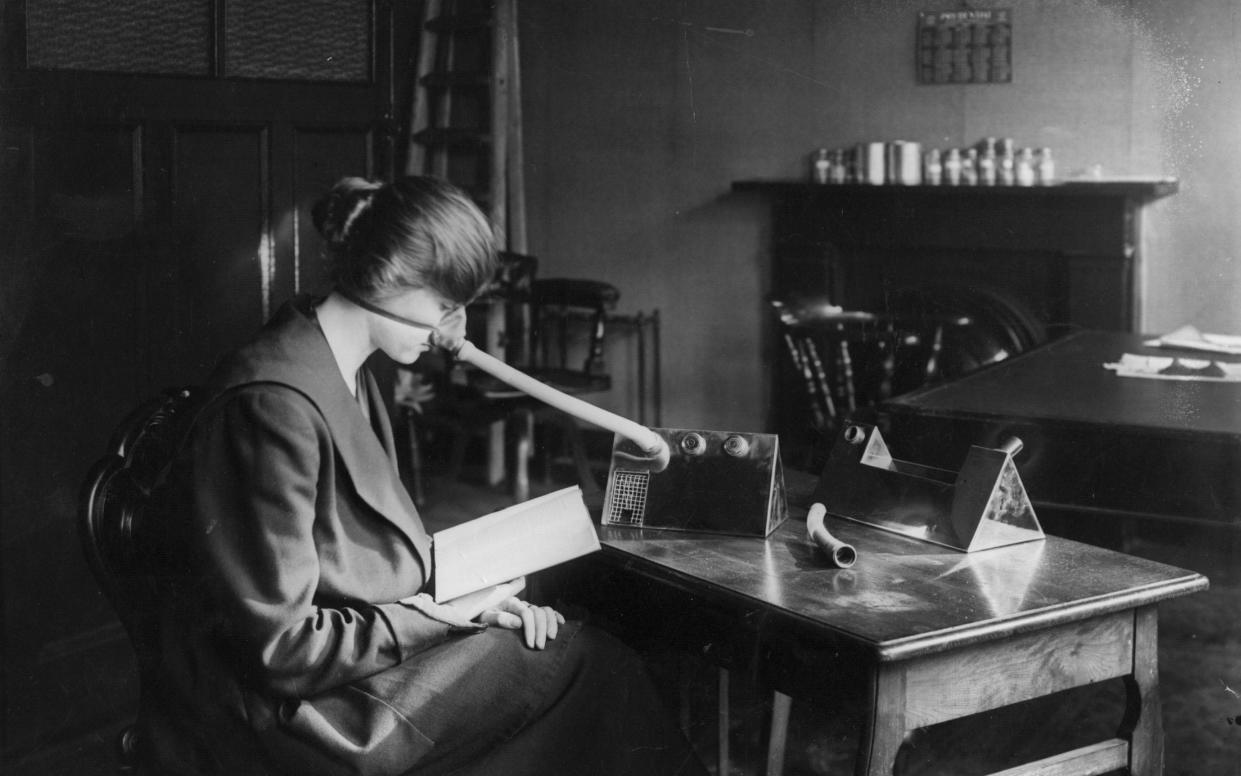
{"x":539,"y":623}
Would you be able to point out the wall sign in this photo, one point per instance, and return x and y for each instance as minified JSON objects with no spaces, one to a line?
{"x":965,"y":47}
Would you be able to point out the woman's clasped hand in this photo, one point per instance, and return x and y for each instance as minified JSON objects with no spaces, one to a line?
{"x":539,"y":624}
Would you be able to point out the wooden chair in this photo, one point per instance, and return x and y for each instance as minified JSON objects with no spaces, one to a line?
{"x":569,"y":318}
{"x":539,"y":325}
{"x":120,"y":537}
{"x":850,"y":361}
{"x":469,"y":404}
{"x":556,"y":303}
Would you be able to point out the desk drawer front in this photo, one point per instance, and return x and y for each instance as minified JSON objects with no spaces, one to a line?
{"x":966,"y":681}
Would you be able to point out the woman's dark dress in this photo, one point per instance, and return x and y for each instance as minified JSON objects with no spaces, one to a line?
{"x":284,"y":647}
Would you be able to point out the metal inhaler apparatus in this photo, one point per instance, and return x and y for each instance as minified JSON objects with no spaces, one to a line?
{"x":984,"y":505}
{"x":682,"y":479}
{"x":715,"y":481}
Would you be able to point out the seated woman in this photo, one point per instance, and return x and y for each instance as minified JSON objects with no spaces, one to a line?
{"x":300,"y":639}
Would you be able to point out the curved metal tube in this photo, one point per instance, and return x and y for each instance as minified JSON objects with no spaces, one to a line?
{"x":840,"y":554}
{"x":651,"y":444}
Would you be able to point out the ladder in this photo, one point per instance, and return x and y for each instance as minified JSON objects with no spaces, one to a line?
{"x":465,"y":127}
{"x":465,"y":123}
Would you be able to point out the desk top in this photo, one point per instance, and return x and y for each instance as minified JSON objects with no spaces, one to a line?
{"x":1065,"y":381}
{"x":903,"y":598}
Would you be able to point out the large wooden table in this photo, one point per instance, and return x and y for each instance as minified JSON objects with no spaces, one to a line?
{"x":1095,"y":444}
{"x":913,"y":634}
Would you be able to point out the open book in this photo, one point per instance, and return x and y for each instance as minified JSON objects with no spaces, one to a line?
{"x":499,"y":548}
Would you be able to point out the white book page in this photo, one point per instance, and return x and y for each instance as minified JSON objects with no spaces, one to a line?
{"x":473,"y":604}
{"x":512,"y":542}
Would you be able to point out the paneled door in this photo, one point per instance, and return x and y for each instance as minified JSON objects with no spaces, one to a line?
{"x":160,"y":160}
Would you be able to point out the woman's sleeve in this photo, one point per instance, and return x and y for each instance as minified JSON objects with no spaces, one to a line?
{"x":255,"y":493}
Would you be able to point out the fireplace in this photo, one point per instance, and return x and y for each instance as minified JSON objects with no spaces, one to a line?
{"x":1038,"y":260}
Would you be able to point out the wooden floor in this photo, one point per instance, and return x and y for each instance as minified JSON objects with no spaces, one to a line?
{"x":1200,"y":660}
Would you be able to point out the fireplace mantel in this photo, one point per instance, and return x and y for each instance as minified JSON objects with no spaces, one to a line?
{"x":1070,"y":251}
{"x":1138,"y":189}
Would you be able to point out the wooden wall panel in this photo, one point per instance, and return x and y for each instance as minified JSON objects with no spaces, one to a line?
{"x":149,"y":224}
{"x":223,"y":256}
{"x":72,"y":369}
{"x":158,"y":247}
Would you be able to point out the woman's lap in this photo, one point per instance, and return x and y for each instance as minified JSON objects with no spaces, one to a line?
{"x":492,"y":705}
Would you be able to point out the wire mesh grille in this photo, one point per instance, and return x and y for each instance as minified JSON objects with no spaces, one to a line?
{"x":314,"y":40}
{"x":311,"y":40}
{"x":628,"y":498}
{"x":138,"y":36}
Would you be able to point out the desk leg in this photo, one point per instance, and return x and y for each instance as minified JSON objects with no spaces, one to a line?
{"x":1143,"y":722}
{"x":723,"y":726}
{"x":883,"y":731}
{"x":781,"y":706}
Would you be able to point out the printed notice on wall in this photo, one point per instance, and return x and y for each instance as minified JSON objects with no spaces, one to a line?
{"x":965,"y":47}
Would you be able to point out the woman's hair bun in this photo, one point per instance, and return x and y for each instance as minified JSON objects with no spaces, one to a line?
{"x":335,"y":213}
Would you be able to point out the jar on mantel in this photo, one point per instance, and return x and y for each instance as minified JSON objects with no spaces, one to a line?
{"x":952,"y":167}
{"x":987,"y":163}
{"x":837,"y":168}
{"x":1046,"y":167}
{"x":1006,"y":168}
{"x":969,"y":167}
{"x":821,"y":166}
{"x":1025,"y":167}
{"x":932,"y":168}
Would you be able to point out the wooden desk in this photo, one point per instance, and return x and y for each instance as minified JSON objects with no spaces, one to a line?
{"x":1094,"y":442}
{"x":914,"y":634}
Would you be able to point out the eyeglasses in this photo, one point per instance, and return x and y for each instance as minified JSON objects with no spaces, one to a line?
{"x":365,"y":305}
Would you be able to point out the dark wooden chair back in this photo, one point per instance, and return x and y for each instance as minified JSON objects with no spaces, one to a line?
{"x":119,"y":525}
{"x":114,"y":520}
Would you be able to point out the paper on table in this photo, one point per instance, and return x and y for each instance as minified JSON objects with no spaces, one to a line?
{"x":1167,"y":368}
{"x":512,"y":542}
{"x":1190,"y":338}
